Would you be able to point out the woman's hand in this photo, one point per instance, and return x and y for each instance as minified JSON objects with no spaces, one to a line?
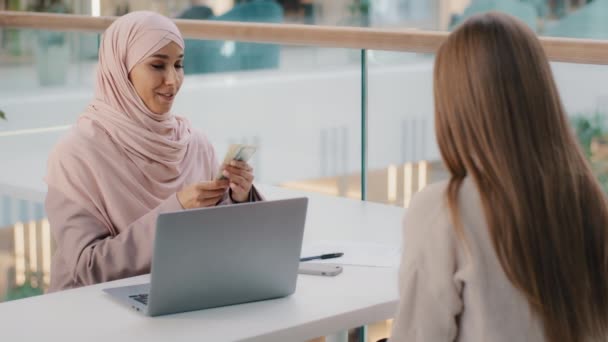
{"x":205,"y":194}
{"x":240,"y":175}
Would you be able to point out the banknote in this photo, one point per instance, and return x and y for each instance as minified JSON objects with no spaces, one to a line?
{"x":240,"y":152}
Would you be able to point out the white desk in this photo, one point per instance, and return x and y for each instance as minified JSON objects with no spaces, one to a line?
{"x":320,"y":305}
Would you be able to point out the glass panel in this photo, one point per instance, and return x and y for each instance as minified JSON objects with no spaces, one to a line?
{"x":403,"y":153}
{"x":46,"y":80}
{"x":403,"y":156}
{"x":47,"y":77}
{"x":308,"y":136}
{"x":586,"y":101}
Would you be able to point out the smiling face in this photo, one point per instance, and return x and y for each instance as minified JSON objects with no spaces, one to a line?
{"x":157,"y":78}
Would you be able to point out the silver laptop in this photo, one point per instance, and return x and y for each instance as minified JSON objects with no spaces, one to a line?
{"x":211,"y":257}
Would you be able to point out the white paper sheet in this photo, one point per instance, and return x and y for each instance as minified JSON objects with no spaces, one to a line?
{"x":355,"y":253}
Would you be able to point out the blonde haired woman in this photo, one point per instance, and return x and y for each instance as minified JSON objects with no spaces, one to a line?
{"x":514,"y":246}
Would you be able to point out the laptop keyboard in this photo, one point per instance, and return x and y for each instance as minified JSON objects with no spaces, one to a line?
{"x":142,"y":298}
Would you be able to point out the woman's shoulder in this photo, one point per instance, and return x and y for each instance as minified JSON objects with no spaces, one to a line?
{"x":434,"y":195}
{"x":426,"y":212}
{"x":430,"y":195}
{"x":429,"y":209}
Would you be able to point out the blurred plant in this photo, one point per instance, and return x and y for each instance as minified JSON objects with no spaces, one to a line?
{"x":359,"y":13}
{"x":592,"y":134}
{"x":359,"y":7}
{"x":50,"y":6}
{"x":588,"y":127}
{"x":2,"y":116}
{"x":31,"y":287}
{"x":49,"y":38}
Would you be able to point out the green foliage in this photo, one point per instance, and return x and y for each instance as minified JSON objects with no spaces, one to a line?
{"x":361,"y":7}
{"x":2,"y":116}
{"x":52,"y":6}
{"x":31,"y":287}
{"x":588,"y":127}
{"x":603,"y":180}
{"x":50,"y":38}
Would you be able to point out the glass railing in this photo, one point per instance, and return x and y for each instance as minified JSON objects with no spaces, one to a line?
{"x":42,"y":90}
{"x":404,"y":156}
{"x":585,"y":99}
{"x":308,"y":137}
{"x":46,"y":80}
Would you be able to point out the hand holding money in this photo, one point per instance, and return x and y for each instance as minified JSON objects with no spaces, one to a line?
{"x":205,"y":194}
{"x":237,"y":171}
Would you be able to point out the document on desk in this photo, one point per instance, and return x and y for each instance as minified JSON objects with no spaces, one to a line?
{"x":355,"y":253}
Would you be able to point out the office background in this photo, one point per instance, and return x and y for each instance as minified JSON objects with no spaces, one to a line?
{"x":299,"y":105}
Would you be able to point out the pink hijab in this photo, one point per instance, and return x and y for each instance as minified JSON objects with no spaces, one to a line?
{"x":121,"y":160}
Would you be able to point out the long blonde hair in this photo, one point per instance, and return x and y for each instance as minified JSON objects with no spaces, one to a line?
{"x":499,"y":120}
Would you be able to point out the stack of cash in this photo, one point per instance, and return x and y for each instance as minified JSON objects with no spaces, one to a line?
{"x":240,"y":152}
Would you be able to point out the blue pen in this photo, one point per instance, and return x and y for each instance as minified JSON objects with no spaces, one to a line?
{"x":323,"y":256}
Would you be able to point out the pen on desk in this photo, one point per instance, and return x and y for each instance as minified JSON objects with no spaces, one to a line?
{"x":323,"y":256}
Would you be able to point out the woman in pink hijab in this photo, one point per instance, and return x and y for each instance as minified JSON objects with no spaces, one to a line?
{"x":128,"y":159}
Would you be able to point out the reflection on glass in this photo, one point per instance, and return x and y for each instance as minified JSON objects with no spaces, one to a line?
{"x":422,"y":174}
{"x":592,"y":133}
{"x":33,"y":259}
{"x":307,"y":137}
{"x":46,"y":252}
{"x":395,"y":184}
{"x":25,"y":259}
{"x":407,"y":184}
{"x":20,"y":270}
{"x":392,"y":183}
